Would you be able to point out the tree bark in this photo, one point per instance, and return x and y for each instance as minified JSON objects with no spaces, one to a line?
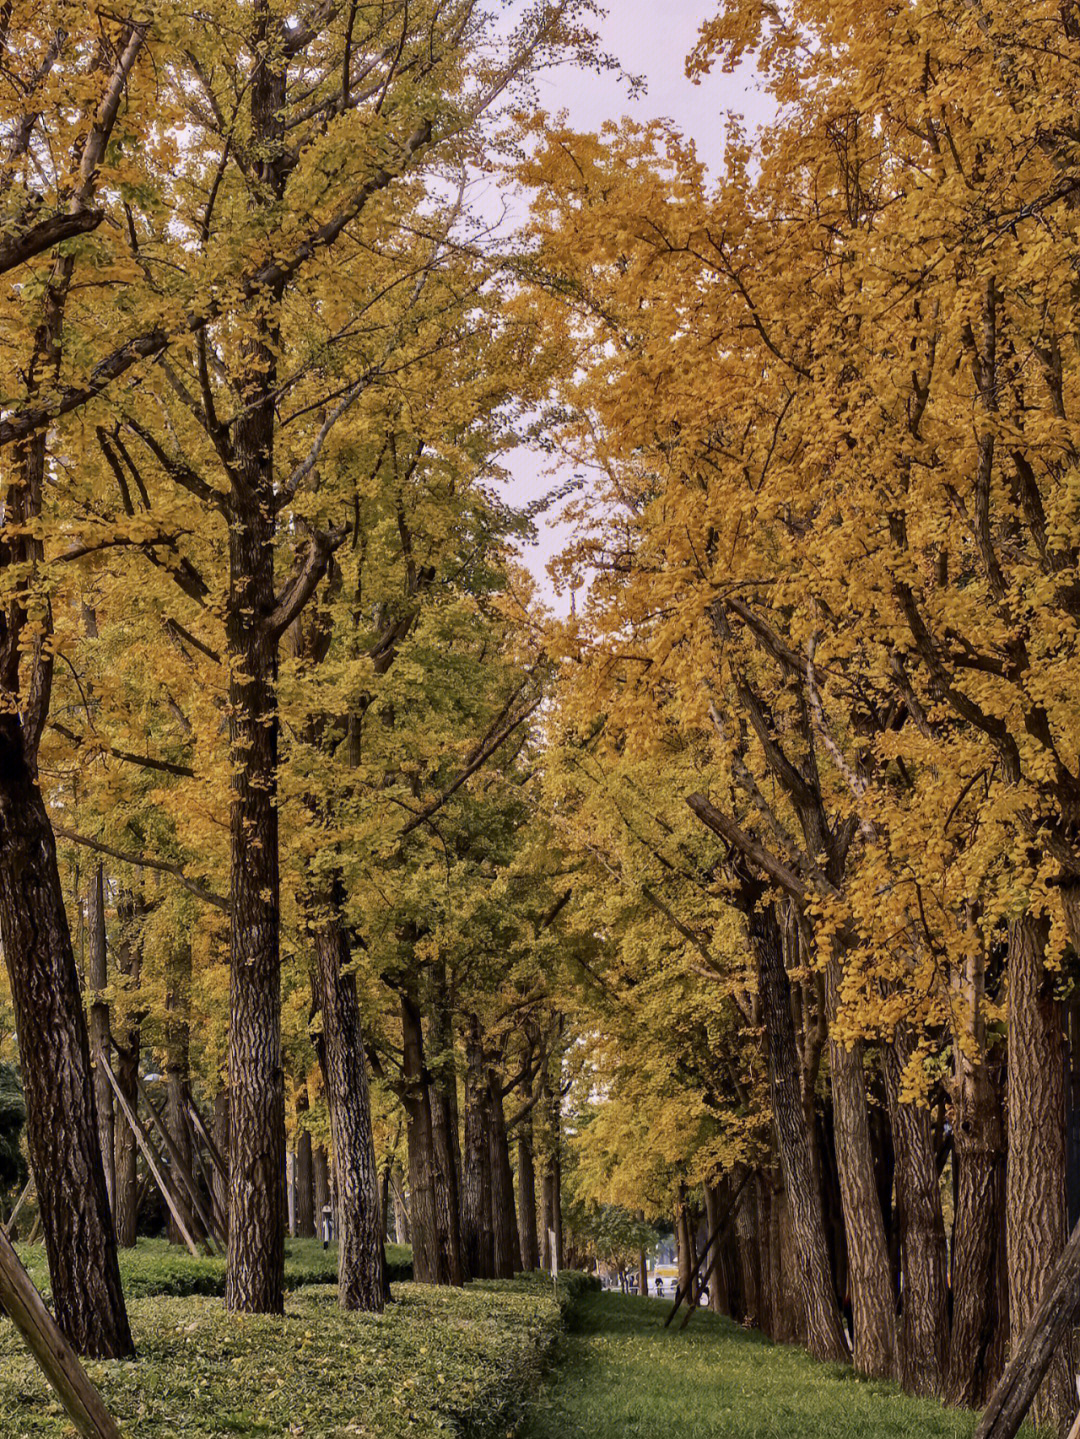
{"x":435,"y":1260}
{"x":924,"y":1304}
{"x":526,"y":1171}
{"x":873,"y":1301}
{"x":361,"y":1254}
{"x":97,"y":979}
{"x":975,"y":1346}
{"x":825,"y":1333}
{"x":401,"y":1214}
{"x":305,"y":1191}
{"x":477,"y":1235}
{"x":504,"y":1217}
{"x":62,"y":1125}
{"x":178,"y":1068}
{"x":1035,"y":1172}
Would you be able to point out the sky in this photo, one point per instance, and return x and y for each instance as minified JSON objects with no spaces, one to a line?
{"x":650,"y":38}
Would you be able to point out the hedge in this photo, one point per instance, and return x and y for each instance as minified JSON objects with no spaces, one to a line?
{"x":438,"y":1362}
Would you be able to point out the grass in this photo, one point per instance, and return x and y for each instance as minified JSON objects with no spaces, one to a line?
{"x":155,"y":1266}
{"x":439,"y":1362}
{"x":624,"y":1375}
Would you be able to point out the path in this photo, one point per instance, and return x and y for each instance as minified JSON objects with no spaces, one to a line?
{"x":623,"y":1376}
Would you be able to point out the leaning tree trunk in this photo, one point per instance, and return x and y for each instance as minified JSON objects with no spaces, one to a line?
{"x":97,"y":979}
{"x":62,"y":1126}
{"x":923,"y":1268}
{"x":361,"y":1255}
{"x":1035,"y":1172}
{"x":825,"y":1333}
{"x":873,"y":1302}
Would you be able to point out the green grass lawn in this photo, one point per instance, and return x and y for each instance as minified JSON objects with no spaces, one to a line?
{"x":624,"y":1375}
{"x":155,"y":1266}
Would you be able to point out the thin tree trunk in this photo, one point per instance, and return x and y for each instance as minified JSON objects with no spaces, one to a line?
{"x":320,"y":1167}
{"x":825,"y":1333}
{"x":97,"y":979}
{"x":305,"y":1190}
{"x":478,"y":1241}
{"x":435,"y":1261}
{"x":221,"y":1139}
{"x":127,"y":1033}
{"x":975,"y":1347}
{"x":873,"y":1301}
{"x":401,"y":1214}
{"x":526,"y":1173}
{"x":502,"y":1186}
{"x":178,"y":1067}
{"x":62,"y":1125}
{"x":924,"y":1305}
{"x":1035,"y":1172}
{"x":361,"y":1254}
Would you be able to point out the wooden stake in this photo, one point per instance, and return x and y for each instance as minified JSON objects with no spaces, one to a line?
{"x":152,"y":1159}
{"x":714,"y":1238}
{"x":55,"y":1356}
{"x":10,"y":1225}
{"x":1031,"y":1358}
{"x":177,"y":1161}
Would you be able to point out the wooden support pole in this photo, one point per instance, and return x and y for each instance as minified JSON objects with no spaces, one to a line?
{"x":202,"y":1132}
{"x":153,"y":1162}
{"x":714,"y":1238}
{"x":10,"y":1225}
{"x":176,"y":1159}
{"x":722,"y":1233}
{"x":55,"y":1356}
{"x":1031,"y":1358}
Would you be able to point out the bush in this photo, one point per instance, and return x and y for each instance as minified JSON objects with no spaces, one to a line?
{"x":438,"y":1362}
{"x":155,"y":1266}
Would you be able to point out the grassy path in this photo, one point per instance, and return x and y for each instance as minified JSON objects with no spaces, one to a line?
{"x":624,"y":1375}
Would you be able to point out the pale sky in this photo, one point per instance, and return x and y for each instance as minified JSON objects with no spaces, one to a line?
{"x":653,"y":40}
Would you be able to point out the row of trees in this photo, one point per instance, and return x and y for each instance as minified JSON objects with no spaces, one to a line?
{"x":252,"y":565}
{"x":817,"y":730}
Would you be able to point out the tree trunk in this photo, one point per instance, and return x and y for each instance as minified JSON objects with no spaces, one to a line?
{"x":1035,"y":1171}
{"x":177,"y":1069}
{"x":873,"y":1301}
{"x":748,"y":1250}
{"x":435,"y":1260}
{"x":305,"y":1191}
{"x":254,"y":1279}
{"x":62,"y":1123}
{"x":221,"y":1139}
{"x":401,"y":1214}
{"x":975,"y":1347}
{"x":97,"y":979}
{"x":320,"y":1169}
{"x":551,"y":1255}
{"x":526,"y":1170}
{"x":361,"y":1254}
{"x":924,"y":1303}
{"x":825,"y":1333}
{"x":442,"y":1083}
{"x":683,"y":1245}
{"x":127,"y":1034}
{"x":502,"y":1185}
{"x":477,"y":1235}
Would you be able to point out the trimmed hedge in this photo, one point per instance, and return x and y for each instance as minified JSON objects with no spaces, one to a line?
{"x":155,"y":1266}
{"x":438,"y":1362}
